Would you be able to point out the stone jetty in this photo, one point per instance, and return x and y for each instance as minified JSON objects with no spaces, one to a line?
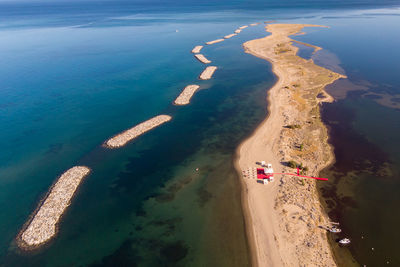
{"x":229,"y":35}
{"x":207,"y":73}
{"x":215,"y":41}
{"x":202,"y":58}
{"x":186,"y":95}
{"x":123,"y":138}
{"x":43,"y":225}
{"x":197,"y":49}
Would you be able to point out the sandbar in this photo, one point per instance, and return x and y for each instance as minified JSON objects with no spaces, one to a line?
{"x":243,"y":27}
{"x":186,"y":95}
{"x":123,"y":138}
{"x":230,"y":35}
{"x":197,"y":49}
{"x":283,"y":217}
{"x":207,"y":73}
{"x":43,"y":223}
{"x":215,"y":41}
{"x":202,"y":58}
{"x":254,"y":24}
{"x":237,"y":31}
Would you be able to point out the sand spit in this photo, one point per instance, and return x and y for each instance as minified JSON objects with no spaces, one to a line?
{"x":197,"y":49}
{"x":283,"y":217}
{"x":202,"y":58}
{"x":42,"y":226}
{"x":207,"y":73}
{"x":229,"y":35}
{"x":186,"y":95}
{"x":215,"y":41}
{"x":123,"y":138}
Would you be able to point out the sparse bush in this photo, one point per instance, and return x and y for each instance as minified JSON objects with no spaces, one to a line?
{"x":293,"y":126}
{"x":292,"y":164}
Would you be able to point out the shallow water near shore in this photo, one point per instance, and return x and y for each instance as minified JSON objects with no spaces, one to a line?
{"x":69,"y":82}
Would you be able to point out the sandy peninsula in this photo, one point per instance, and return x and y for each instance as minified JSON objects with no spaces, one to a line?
{"x":123,"y":138}
{"x":229,"y":35}
{"x":186,"y":95}
{"x":202,"y":58}
{"x":42,"y":225}
{"x":197,"y":49}
{"x":215,"y":41}
{"x":283,"y":217}
{"x":208,"y":73}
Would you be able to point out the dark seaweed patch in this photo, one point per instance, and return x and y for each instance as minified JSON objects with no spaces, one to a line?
{"x":174,"y":252}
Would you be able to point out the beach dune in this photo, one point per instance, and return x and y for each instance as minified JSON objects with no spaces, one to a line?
{"x":283,"y":217}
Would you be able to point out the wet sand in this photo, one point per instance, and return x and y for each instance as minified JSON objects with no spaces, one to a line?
{"x":208,"y":73}
{"x":283,"y":217}
{"x":202,"y":58}
{"x":197,"y":49}
{"x":128,"y":135}
{"x":43,"y":224}
{"x":215,"y":41}
{"x":186,"y":95}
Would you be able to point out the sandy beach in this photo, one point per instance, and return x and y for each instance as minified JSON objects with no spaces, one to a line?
{"x":197,"y":49}
{"x":202,"y":58}
{"x":186,"y":95}
{"x":215,"y":41}
{"x":283,"y":217}
{"x":125,"y":137}
{"x":207,"y":73}
{"x":42,"y":226}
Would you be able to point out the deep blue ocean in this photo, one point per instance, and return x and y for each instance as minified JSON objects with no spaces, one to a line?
{"x":73,"y":74}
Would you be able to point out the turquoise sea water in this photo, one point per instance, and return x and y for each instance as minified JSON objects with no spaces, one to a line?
{"x":72,"y":75}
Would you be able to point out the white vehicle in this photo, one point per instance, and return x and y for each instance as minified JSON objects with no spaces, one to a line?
{"x":344,"y":241}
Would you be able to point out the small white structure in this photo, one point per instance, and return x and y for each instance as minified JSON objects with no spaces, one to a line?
{"x":269,"y":172}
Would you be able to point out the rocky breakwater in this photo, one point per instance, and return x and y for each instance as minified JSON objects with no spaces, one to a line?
{"x":186,"y":95}
{"x":215,"y":41}
{"x":202,"y":59}
{"x":123,"y":138}
{"x":229,"y":35}
{"x":197,"y":49}
{"x":43,"y":224}
{"x":208,"y":73}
